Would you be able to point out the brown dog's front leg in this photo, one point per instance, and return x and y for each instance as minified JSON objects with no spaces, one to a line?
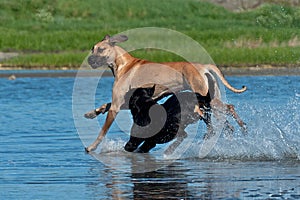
{"x":109,"y":120}
{"x":101,"y":110}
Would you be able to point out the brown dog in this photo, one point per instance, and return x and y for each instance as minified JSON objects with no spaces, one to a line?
{"x":132,"y":72}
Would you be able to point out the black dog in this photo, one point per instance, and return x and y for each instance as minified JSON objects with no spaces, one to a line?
{"x":158,"y":124}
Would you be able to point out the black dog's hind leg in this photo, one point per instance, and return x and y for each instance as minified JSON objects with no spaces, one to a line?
{"x":207,"y":121}
{"x":229,"y":129}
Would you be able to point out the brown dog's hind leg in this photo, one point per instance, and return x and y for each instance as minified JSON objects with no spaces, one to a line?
{"x":228,"y":109}
{"x":232,"y":112}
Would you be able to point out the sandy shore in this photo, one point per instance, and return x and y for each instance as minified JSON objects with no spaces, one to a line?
{"x":50,"y":73}
{"x":261,"y":71}
{"x":228,"y":71}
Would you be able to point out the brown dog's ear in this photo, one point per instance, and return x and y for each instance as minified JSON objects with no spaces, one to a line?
{"x":117,"y":38}
{"x":107,"y":37}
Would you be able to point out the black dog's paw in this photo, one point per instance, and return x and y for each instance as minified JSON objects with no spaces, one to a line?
{"x":245,"y":129}
{"x":228,"y":130}
{"x":209,"y":134}
{"x":129,"y":147}
{"x":139,"y":150}
{"x":91,"y":115}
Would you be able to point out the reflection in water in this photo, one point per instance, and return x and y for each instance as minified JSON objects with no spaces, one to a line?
{"x":186,"y":179}
{"x":161,"y":184}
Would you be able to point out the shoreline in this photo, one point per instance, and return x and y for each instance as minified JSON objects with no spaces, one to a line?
{"x":70,"y":72}
{"x":265,"y":70}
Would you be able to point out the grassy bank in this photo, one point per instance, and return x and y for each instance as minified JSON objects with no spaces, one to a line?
{"x":60,"y":33}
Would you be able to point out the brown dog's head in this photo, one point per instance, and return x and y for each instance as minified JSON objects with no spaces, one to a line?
{"x":103,"y":53}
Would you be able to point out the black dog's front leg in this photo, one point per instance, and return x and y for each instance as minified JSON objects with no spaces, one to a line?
{"x":133,"y":143}
{"x":146,"y":146}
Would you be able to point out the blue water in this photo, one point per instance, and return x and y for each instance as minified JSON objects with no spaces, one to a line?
{"x":42,"y":155}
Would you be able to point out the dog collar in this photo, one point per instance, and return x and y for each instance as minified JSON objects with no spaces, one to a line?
{"x":111,"y":67}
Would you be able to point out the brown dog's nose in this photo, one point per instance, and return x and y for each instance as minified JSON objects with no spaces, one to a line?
{"x":97,"y":61}
{"x":92,"y":61}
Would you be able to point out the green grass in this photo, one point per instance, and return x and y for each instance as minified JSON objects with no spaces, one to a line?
{"x":60,"y":32}
{"x":48,"y":60}
{"x":275,"y":56}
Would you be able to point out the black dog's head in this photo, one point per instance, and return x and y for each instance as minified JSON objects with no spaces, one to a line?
{"x":103,"y":53}
{"x":139,"y":104}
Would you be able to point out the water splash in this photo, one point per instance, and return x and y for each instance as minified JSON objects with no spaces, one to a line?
{"x":273,"y":134}
{"x":112,"y":145}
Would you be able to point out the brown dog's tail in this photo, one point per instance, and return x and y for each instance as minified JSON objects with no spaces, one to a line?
{"x":224,"y":81}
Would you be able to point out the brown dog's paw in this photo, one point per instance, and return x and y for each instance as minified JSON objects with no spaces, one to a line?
{"x":86,"y":150}
{"x":89,"y":149}
{"x":91,"y":115}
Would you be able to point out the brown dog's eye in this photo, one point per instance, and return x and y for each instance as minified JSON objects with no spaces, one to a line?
{"x":100,"y":50}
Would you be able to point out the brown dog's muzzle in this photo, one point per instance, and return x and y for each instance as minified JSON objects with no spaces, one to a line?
{"x":97,"y":61}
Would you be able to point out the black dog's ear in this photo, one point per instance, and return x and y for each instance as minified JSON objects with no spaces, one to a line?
{"x":151,"y":91}
{"x":117,"y":38}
